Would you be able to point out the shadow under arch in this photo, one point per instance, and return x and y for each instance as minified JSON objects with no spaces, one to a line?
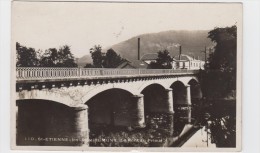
{"x":39,"y":119}
{"x":111,"y":112}
{"x":111,"y":107}
{"x":154,"y":98}
{"x":179,"y":93}
{"x":195,"y":90}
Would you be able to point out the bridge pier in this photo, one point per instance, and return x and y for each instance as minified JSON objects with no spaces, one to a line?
{"x":188,"y":102}
{"x":81,"y":130}
{"x":188,"y":95}
{"x":138,"y":111}
{"x":169,"y":101}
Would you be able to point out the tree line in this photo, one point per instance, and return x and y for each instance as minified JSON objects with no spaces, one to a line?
{"x":62,"y":57}
{"x":110,"y":59}
{"x":52,"y":57}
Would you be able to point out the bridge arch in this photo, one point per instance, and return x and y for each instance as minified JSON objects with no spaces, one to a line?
{"x":196,"y":95}
{"x":144,"y":85}
{"x":187,"y":80}
{"x":179,"y":92}
{"x":114,"y":107}
{"x":95,"y":90}
{"x":158,"y":104}
{"x":195,"y":89}
{"x":61,"y":96}
{"x":155,"y":98}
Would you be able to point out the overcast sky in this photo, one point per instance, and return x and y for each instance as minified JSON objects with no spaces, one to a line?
{"x":81,"y":25}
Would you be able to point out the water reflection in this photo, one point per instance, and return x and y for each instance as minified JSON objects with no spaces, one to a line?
{"x":159,"y":129}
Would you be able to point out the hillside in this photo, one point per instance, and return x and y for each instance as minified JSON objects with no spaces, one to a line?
{"x":192,"y":42}
{"x":84,"y":60}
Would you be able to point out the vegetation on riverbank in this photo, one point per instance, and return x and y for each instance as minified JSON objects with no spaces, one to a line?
{"x":218,"y":83}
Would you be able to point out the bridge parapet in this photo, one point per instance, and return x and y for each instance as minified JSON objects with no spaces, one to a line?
{"x":39,"y":73}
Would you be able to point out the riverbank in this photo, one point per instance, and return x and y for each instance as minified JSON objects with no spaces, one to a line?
{"x":187,"y":132}
{"x":200,"y":139}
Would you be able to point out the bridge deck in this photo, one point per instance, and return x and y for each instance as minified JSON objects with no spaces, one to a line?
{"x":43,"y":73}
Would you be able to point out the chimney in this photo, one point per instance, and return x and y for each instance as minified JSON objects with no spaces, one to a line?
{"x":198,"y":57}
{"x":180,"y":53}
{"x":138,"y":48}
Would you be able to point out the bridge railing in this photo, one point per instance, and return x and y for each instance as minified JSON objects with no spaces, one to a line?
{"x":27,"y":73}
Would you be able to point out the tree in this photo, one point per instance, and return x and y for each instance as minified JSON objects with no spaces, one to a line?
{"x":224,"y":56}
{"x":219,"y":78}
{"x":26,"y":57}
{"x":50,"y":58}
{"x":65,"y":57}
{"x":58,"y":58}
{"x":164,"y":61}
{"x":100,"y":60}
{"x":97,"y":56}
{"x":89,"y":65}
{"x":111,"y":59}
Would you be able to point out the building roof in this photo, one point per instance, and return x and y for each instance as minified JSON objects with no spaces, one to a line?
{"x":137,"y":64}
{"x":124,"y":64}
{"x":150,"y":56}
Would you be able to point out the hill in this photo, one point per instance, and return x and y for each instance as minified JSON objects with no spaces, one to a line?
{"x":192,"y":42}
{"x":84,"y":60}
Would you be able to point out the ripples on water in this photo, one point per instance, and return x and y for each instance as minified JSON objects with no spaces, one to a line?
{"x":159,"y":128}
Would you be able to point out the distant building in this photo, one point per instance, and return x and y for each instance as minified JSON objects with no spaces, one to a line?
{"x":134,"y":64}
{"x":182,"y":62}
{"x":187,"y":62}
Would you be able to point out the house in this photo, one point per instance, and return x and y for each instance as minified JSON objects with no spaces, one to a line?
{"x":187,"y":62}
{"x":134,"y":64}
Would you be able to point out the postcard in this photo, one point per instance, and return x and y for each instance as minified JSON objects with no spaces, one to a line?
{"x":123,"y":76}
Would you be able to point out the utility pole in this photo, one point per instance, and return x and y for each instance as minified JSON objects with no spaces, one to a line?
{"x":180,"y":53}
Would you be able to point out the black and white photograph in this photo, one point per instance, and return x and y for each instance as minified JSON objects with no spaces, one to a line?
{"x":126,"y":75}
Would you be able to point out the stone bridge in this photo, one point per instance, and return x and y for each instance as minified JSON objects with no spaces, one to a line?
{"x":66,"y":101}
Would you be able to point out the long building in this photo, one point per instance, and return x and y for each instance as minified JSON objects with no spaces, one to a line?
{"x":184,"y":61}
{"x":187,"y":62}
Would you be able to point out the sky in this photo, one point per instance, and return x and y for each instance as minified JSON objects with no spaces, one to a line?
{"x":82,"y":25}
